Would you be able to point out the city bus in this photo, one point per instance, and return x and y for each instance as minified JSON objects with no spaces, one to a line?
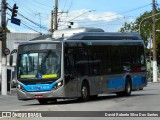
{"x":80,"y":63}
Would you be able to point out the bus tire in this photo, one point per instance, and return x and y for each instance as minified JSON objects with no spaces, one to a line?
{"x":120,"y":94}
{"x":43,"y":101}
{"x":85,"y":94}
{"x":93,"y":97}
{"x":140,"y":88}
{"x":128,"y":87}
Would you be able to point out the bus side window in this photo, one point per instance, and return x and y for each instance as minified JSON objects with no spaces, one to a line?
{"x":115,"y":59}
{"x":126,"y":58}
{"x":69,"y":62}
{"x":138,"y":58}
{"x":81,"y":61}
{"x":95,"y":56}
{"x":141,"y":55}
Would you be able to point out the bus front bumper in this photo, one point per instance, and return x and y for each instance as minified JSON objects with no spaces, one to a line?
{"x":23,"y":95}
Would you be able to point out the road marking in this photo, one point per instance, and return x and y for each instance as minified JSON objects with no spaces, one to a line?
{"x":15,"y":110}
{"x":52,"y":106}
{"x":33,"y":109}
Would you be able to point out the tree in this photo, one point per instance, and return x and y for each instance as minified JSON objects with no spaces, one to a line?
{"x":145,"y":23}
{"x":8,"y":31}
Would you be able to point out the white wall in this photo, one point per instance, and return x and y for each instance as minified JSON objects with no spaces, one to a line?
{"x":13,"y":40}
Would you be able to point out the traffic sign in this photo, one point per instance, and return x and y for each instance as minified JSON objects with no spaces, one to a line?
{"x":6,"y":51}
{"x":16,"y":21}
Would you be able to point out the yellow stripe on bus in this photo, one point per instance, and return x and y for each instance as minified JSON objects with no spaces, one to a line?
{"x":27,"y":76}
{"x":50,"y":76}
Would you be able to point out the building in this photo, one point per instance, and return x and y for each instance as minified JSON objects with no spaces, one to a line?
{"x":13,"y":40}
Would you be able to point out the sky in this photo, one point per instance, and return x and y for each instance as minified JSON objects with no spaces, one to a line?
{"x":110,"y":15}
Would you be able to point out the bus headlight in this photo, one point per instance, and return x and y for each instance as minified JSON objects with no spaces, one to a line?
{"x":20,"y":87}
{"x":58,"y":85}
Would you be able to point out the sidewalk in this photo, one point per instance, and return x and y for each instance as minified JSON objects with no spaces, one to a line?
{"x":12,"y":92}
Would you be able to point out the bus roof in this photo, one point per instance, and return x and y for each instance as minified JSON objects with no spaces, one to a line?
{"x":104,"y":36}
{"x":65,"y":33}
{"x":86,"y":34}
{"x":93,"y":34}
{"x":42,"y":37}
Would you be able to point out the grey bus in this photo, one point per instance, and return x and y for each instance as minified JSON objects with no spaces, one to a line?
{"x":80,"y":63}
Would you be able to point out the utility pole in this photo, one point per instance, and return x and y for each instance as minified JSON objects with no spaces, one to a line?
{"x":51,"y":30}
{"x":4,"y":57}
{"x":154,"y":41}
{"x":56,"y":15}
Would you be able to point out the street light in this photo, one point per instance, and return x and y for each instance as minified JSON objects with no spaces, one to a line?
{"x":154,"y":48}
{"x":145,"y":19}
{"x":77,"y":17}
{"x":81,"y":15}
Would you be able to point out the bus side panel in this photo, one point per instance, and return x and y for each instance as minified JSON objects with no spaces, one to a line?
{"x":94,"y":82}
{"x":139,"y":80}
{"x":70,"y":78}
{"x":114,"y":83}
{"x":73,"y":87}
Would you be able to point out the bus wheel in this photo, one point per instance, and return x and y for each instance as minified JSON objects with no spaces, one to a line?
{"x":128,"y":87}
{"x":141,"y":89}
{"x":43,"y":101}
{"x":93,"y":97}
{"x":85,"y":92}
{"x":120,"y":94}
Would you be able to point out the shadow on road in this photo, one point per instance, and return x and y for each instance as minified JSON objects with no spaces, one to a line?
{"x":99,"y":98}
{"x":74,"y":101}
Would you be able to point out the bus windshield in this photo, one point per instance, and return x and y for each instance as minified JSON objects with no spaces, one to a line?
{"x":39,"y":65}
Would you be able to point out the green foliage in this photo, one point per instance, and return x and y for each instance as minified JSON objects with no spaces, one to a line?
{"x":8,"y":31}
{"x":144,"y":22}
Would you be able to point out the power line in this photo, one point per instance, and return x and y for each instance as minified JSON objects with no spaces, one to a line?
{"x":69,"y":8}
{"x":23,"y":23}
{"x":127,"y":11}
{"x":27,"y":10}
{"x":74,"y":18}
{"x":64,"y":5}
{"x":124,"y":12}
{"x":33,"y":22}
{"x":30,"y":28}
{"x":24,"y":10}
{"x":41,"y":3}
{"x":23,"y":6}
{"x":88,"y":21}
{"x":70,"y":5}
{"x":114,"y":14}
{"x":107,"y":22}
{"x":29,"y":4}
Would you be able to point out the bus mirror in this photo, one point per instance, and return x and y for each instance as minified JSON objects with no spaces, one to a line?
{"x":13,"y":83}
{"x":11,"y":60}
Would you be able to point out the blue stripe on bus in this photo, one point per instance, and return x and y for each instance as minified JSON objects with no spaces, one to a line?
{"x":120,"y":82}
{"x":116,"y":83}
{"x":39,"y":87}
{"x":138,"y":80}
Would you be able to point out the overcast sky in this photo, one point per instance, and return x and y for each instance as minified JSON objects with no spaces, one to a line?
{"x":109,"y":15}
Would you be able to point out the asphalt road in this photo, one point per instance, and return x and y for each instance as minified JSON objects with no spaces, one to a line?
{"x":145,"y":100}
